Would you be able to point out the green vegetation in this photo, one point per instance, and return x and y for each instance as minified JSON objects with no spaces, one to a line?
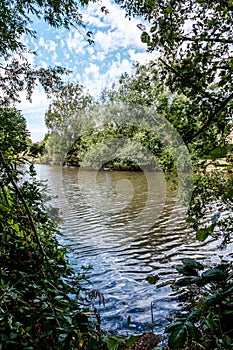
{"x":220,"y":152}
{"x":207,"y":323}
{"x":194,"y":40}
{"x":43,"y":303}
{"x":17,"y":73}
{"x":129,"y":127}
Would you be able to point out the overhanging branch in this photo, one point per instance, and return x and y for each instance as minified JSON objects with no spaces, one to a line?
{"x":201,"y":39}
{"x":192,"y":85}
{"x":217,"y":110}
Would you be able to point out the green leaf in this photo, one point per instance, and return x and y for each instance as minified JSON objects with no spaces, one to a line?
{"x":145,"y":38}
{"x":199,"y":281}
{"x":223,"y":267}
{"x":213,"y":299}
{"x":193,"y":330}
{"x":203,"y":233}
{"x":62,"y":337}
{"x":228,"y":292}
{"x":68,"y":319}
{"x":169,"y":9}
{"x":128,"y":320}
{"x":13,"y":335}
{"x":113,"y":342}
{"x":182,"y":282}
{"x":131,"y":340}
{"x":173,"y":326}
{"x":187,"y":271}
{"x":215,"y":275}
{"x":152,"y":279}
{"x":36,"y":300}
{"x":210,"y":323}
{"x":194,"y":316}
{"x":193,"y":264}
{"x":177,"y":338}
{"x":2,"y":282}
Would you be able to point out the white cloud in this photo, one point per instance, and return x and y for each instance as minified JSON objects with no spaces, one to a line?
{"x":92,"y":69}
{"x":99,"y":56}
{"x":90,"y":50}
{"x":48,"y":45}
{"x":75,"y":43}
{"x":104,"y":40}
{"x":113,"y":30}
{"x":93,"y":15}
{"x":95,"y":81}
{"x":142,"y":57}
{"x":117,"y":68}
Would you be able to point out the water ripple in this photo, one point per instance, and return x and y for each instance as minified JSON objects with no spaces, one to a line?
{"x":123,"y":254}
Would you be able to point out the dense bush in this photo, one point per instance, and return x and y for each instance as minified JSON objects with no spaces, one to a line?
{"x":207,"y":322}
{"x":42,"y":302}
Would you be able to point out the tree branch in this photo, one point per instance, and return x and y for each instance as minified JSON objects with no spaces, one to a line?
{"x":194,"y":86}
{"x":217,"y":110}
{"x":199,"y":39}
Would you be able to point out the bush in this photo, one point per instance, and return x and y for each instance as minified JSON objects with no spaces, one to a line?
{"x":207,"y":323}
{"x":42,"y":302}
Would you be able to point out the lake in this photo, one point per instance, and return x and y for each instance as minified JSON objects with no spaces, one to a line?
{"x":128,"y":226}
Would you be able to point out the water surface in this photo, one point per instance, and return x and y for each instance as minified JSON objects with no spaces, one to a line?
{"x":128,"y":226}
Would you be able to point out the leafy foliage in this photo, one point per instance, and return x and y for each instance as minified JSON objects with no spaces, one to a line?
{"x":137,"y":110}
{"x":13,"y":132}
{"x":195,"y":46}
{"x":43,"y":304}
{"x":210,"y":211}
{"x":16,"y":19}
{"x":209,"y":324}
{"x":194,"y":41}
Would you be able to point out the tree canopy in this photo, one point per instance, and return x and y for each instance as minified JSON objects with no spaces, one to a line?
{"x":13,"y":131}
{"x":16,"y":22}
{"x":194,"y":41}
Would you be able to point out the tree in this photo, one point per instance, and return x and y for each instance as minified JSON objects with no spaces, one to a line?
{"x":16,"y":18}
{"x":67,"y":117}
{"x":13,"y":131}
{"x":68,"y":107}
{"x":194,"y":41}
{"x":130,"y":118}
{"x":36,"y":310}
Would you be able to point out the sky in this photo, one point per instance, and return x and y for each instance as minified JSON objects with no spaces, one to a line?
{"x":117,"y":45}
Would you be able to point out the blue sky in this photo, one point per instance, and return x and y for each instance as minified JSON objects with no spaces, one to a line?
{"x":116,"y":47}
